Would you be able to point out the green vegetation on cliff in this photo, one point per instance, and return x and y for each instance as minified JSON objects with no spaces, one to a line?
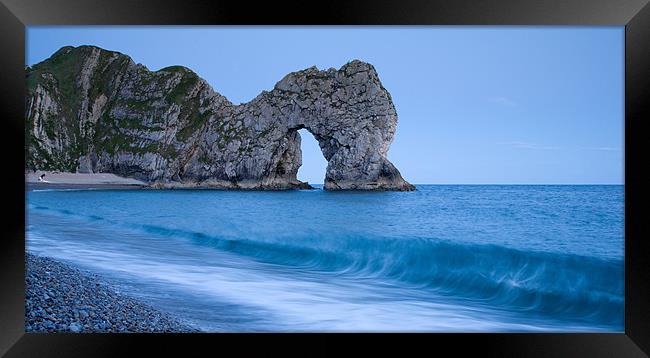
{"x":62,"y":119}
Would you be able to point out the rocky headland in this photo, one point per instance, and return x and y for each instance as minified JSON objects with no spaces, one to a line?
{"x":90,"y":110}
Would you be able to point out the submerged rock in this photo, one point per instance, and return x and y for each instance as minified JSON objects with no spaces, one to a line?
{"x":91,"y":110}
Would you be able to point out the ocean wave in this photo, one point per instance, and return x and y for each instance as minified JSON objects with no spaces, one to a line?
{"x":548,"y":284}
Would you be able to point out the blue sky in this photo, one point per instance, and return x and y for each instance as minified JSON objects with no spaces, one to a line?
{"x":510,"y":105}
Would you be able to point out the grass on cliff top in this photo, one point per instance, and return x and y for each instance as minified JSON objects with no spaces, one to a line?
{"x":180,"y":92}
{"x":65,"y":66}
{"x":175,"y":68}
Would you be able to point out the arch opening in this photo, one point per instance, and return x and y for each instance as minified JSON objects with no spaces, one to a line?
{"x":314,"y":164}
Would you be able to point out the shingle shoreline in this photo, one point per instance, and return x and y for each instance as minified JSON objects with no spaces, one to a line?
{"x":61,"y":298}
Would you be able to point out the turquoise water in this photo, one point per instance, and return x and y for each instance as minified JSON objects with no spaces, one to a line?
{"x":446,"y":258}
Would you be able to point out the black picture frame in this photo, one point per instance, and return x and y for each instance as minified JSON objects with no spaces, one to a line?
{"x":633,"y":14}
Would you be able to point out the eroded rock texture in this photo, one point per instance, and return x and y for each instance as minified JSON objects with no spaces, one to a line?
{"x":92,"y":110}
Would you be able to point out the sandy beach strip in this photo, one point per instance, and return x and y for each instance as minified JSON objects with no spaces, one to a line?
{"x":61,"y":181}
{"x":61,"y":298}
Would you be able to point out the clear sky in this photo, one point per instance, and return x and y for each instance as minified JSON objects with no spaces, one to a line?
{"x":475,"y":104}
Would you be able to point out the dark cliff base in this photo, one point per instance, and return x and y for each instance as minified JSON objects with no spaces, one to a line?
{"x":106,"y":181}
{"x":302,"y":186}
{"x":60,"y":298}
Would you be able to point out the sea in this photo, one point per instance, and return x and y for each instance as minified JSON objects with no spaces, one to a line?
{"x":444,"y":258}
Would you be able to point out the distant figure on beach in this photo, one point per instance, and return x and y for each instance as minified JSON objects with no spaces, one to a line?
{"x":42,"y":177}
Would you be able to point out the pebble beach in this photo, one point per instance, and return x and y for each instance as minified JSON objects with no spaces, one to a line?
{"x":61,"y":298}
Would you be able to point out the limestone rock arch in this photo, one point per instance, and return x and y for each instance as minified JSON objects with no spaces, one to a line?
{"x":94,"y":110}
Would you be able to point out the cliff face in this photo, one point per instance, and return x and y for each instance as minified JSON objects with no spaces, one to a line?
{"x":92,"y":110}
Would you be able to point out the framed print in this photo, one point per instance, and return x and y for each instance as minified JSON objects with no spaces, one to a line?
{"x":467,"y":175}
